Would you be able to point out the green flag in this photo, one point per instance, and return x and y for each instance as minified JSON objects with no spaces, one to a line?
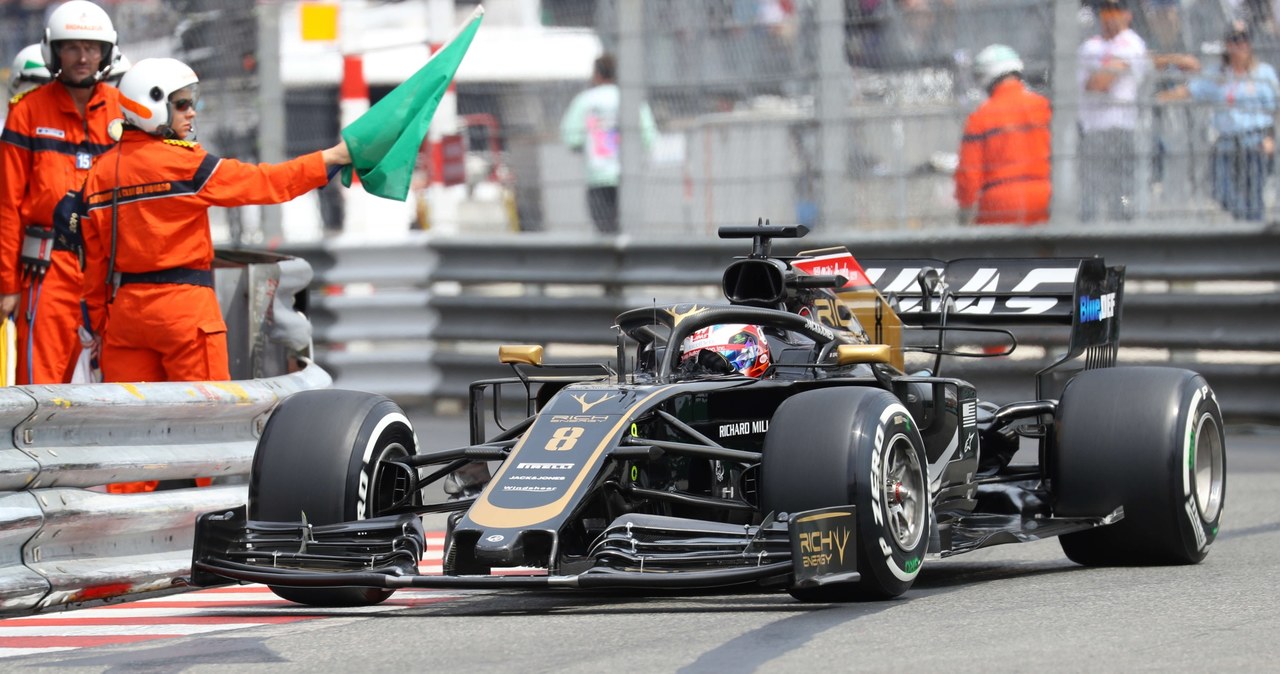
{"x":384,"y":141}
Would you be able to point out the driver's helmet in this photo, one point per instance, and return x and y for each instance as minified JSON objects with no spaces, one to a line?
{"x":743,"y":347}
{"x":29,"y":70}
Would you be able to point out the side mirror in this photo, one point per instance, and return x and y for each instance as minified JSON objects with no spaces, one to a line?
{"x":928,"y":280}
{"x":855,"y":354}
{"x":527,"y":354}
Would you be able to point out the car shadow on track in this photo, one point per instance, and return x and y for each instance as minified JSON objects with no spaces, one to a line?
{"x":934,"y":579}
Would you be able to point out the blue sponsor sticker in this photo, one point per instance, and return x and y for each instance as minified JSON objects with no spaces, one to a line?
{"x":1097,"y":308}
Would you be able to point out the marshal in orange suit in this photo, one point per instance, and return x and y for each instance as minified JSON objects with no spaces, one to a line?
{"x":148,"y":279}
{"x":1003,"y":174}
{"x":51,"y":138}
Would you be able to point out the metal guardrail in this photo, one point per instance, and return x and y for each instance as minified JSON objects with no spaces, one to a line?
{"x":419,"y":319}
{"x":62,"y":539}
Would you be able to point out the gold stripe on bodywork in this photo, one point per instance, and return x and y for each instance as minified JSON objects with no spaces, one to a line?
{"x":486,"y":514}
{"x":821,"y":516}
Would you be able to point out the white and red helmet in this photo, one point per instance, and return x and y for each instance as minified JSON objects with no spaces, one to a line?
{"x":79,"y":20}
{"x":145,"y":90}
{"x":743,"y":346}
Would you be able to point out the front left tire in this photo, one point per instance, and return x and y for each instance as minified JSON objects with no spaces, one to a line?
{"x":861,"y":447}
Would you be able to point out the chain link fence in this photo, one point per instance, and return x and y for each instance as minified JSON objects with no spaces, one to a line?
{"x":843,"y":114}
{"x":220,"y":42}
{"x":759,"y":119}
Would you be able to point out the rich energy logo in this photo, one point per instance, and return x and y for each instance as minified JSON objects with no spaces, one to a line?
{"x":1097,"y":308}
{"x":586,"y":406}
{"x":818,"y":548}
{"x":579,"y":418}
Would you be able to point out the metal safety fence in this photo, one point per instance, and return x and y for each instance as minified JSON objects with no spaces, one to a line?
{"x":845,"y":114}
{"x":63,"y":540}
{"x":420,"y":320}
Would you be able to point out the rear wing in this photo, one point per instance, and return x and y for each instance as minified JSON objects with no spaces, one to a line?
{"x":887,"y":295}
{"x":1083,"y":293}
{"x":996,"y":291}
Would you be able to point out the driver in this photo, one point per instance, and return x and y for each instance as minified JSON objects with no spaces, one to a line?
{"x":726,"y":349}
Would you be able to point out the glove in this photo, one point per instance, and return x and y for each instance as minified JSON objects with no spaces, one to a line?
{"x":37,"y":251}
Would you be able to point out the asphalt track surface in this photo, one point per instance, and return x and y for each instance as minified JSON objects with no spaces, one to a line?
{"x":1014,"y":607}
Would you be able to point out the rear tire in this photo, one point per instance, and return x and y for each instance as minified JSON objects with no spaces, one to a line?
{"x":1149,"y":439}
{"x":860,"y":447}
{"x":316,"y":451}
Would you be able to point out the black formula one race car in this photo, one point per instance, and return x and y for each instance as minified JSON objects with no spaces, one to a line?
{"x":776,"y":440}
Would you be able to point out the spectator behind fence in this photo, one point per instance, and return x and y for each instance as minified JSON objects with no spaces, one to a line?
{"x":590,"y":126}
{"x":1165,"y":19}
{"x":1111,"y":66}
{"x":1243,"y":92}
{"x":1003,"y":174}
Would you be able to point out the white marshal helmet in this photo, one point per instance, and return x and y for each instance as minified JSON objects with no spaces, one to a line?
{"x":28,"y":71}
{"x":994,"y":62}
{"x":145,"y":89}
{"x":79,"y":20}
{"x":119,"y":66}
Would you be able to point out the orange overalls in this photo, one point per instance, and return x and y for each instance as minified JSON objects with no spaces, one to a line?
{"x":46,"y":152}
{"x":160,"y":319}
{"x":1004,"y":157}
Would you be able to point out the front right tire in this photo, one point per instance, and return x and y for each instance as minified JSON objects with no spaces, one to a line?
{"x":853,"y":446}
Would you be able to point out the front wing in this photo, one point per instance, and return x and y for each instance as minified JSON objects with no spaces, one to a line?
{"x":644,"y":552}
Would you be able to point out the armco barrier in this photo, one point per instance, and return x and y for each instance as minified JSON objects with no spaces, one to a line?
{"x":62,"y":539}
{"x":419,"y":319}
{"x":61,"y":542}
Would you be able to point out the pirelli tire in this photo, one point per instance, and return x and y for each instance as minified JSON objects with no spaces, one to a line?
{"x":320,"y":454}
{"x":1149,"y":439}
{"x":859,"y":446}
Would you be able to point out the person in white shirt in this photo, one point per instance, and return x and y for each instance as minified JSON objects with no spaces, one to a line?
{"x":1111,"y":66}
{"x":590,"y":126}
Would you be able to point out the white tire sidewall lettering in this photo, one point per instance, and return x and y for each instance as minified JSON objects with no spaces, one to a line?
{"x":367,"y":459}
{"x":888,"y":431}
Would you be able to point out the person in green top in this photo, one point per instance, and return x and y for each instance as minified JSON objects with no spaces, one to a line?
{"x":590,"y":126}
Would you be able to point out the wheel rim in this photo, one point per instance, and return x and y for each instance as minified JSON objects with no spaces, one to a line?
{"x":1208,"y":462}
{"x":387,"y":486}
{"x":904,"y":494}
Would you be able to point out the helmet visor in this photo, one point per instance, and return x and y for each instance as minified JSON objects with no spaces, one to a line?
{"x":185,"y":98}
